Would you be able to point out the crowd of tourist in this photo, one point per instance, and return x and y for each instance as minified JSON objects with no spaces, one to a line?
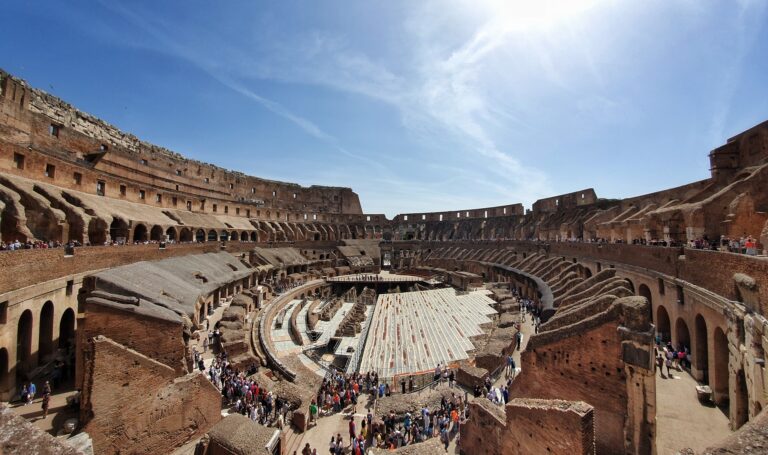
{"x":245,"y":396}
{"x":668,"y":356}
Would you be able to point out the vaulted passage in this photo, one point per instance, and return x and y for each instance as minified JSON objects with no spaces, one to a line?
{"x":45,"y":343}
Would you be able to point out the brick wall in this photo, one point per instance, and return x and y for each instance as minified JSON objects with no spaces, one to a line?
{"x":585,"y":366}
{"x":137,"y":405}
{"x":23,"y":268}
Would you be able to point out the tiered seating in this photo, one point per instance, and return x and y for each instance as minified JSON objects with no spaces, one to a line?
{"x":414,"y":331}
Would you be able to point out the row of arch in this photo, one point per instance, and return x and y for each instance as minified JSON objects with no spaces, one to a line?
{"x":25,"y":359}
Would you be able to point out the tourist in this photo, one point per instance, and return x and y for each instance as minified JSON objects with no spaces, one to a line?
{"x":32,"y":393}
{"x":352,"y":432}
{"x":46,"y":404}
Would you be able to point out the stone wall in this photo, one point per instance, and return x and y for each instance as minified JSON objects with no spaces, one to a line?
{"x":133,"y":404}
{"x":529,"y":426}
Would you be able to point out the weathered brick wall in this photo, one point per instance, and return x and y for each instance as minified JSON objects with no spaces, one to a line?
{"x":552,"y":427}
{"x":529,"y":426}
{"x":138,"y":405}
{"x":584,"y":366}
{"x":157,"y":339}
{"x":28,"y":267}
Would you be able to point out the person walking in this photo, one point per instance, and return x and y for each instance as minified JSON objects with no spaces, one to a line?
{"x":46,"y":404}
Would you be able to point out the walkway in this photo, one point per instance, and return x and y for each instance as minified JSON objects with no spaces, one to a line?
{"x":683,"y":422}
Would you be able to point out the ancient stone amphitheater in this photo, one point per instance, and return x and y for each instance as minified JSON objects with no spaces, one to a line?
{"x":119,"y":257}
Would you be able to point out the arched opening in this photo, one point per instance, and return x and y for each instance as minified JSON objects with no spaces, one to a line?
{"x":171,"y":234}
{"x":587,"y":272}
{"x":3,"y":367}
{"x":224,"y":236}
{"x":185,"y":235}
{"x":253,"y":237}
{"x":243,"y":236}
{"x":682,"y":338}
{"x":740,"y":409}
{"x":24,"y":337}
{"x":317,"y":237}
{"x":140,"y":233}
{"x":97,"y":231}
{"x":67,"y":329}
{"x":700,"y":352}
{"x":156,"y":234}
{"x":631,"y":285}
{"x":45,"y":337}
{"x":233,"y":236}
{"x":118,"y":230}
{"x":643,"y":291}
{"x":663,"y":328}
{"x":720,"y":375}
{"x":212,"y":236}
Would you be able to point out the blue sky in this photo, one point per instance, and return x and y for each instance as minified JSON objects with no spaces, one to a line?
{"x":418,"y":106}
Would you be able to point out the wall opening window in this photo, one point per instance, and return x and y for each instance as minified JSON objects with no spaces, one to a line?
{"x":70,"y":286}
{"x":305,"y":216}
{"x":504,"y":210}
{"x":215,"y":208}
{"x":189,"y":205}
{"x":78,"y":178}
{"x":441,"y":217}
{"x":142,"y":194}
{"x":123,"y":190}
{"x":202,"y":205}
{"x":466,"y":214}
{"x":4,"y":312}
{"x":485,"y":214}
{"x":101,"y":187}
{"x":274,"y":193}
{"x":18,"y":160}
{"x":159,"y":198}
{"x":231,"y":186}
{"x":661,"y":286}
{"x":237,"y":211}
{"x":248,"y":213}
{"x":178,"y":171}
{"x":226,"y":209}
{"x":144,"y":162}
{"x":207,"y":180}
{"x":368,"y":218}
{"x":174,"y":201}
{"x":458,"y":214}
{"x":405,"y":217}
{"x":294,"y":195}
{"x":177,"y":187}
{"x":50,"y":171}
{"x":253,"y":190}
{"x":680,"y":295}
{"x":314,"y":216}
{"x":103,"y":147}
{"x":54,"y":129}
{"x":423,"y":217}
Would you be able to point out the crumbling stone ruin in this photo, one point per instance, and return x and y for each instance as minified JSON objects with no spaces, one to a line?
{"x":115,"y":253}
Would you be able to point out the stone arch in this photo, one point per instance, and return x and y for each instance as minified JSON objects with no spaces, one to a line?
{"x":740,"y":406}
{"x":24,"y":337}
{"x":156,"y":234}
{"x":97,"y":231}
{"x":682,"y":338}
{"x":254,"y":238}
{"x":663,"y":327}
{"x":243,"y":236}
{"x":140,"y":233}
{"x":185,"y":235}
{"x":67,"y":328}
{"x":234,"y":236}
{"x":631,"y":285}
{"x":45,"y":331}
{"x":118,"y":229}
{"x":644,"y":291}
{"x":212,"y":236}
{"x":223,"y":236}
{"x":719,"y":380}
{"x":700,"y":350}
{"x":171,"y":233}
{"x":4,"y":364}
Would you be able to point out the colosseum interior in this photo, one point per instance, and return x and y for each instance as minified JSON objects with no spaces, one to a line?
{"x":130,"y":273}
